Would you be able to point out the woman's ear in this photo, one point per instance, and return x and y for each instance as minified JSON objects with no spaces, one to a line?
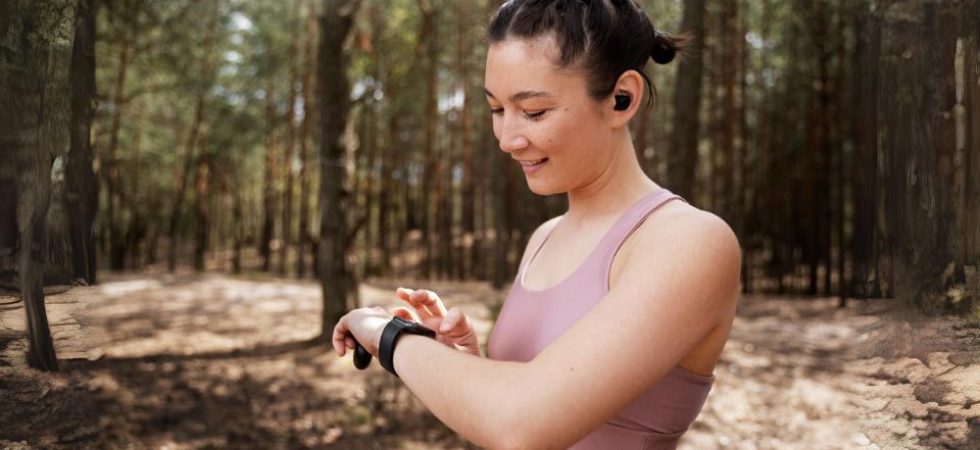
{"x":626,"y":98}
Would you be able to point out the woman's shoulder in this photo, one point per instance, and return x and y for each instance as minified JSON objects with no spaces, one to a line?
{"x":680,"y":214}
{"x":689,"y":246}
{"x":678,"y":227}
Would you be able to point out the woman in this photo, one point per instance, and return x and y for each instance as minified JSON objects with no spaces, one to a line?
{"x":617,"y":316}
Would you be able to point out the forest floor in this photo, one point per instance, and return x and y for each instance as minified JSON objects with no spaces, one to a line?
{"x":205,"y":361}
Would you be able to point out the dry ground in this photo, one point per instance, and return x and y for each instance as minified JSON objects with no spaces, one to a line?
{"x":213,"y":361}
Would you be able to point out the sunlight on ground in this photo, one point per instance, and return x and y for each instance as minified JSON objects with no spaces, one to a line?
{"x":193,"y":361}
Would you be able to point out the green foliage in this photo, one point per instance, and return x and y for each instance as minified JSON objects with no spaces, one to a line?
{"x":779,"y":157}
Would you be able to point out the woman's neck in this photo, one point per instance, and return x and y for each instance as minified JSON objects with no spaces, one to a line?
{"x":620,"y":184}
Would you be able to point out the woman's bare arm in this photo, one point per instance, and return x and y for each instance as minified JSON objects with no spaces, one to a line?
{"x":678,"y":284}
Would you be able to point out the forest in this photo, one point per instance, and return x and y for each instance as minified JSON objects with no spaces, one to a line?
{"x":329,"y":151}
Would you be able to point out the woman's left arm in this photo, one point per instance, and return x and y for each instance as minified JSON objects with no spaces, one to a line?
{"x":677,"y":285}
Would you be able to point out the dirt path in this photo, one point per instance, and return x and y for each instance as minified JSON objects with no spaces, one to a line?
{"x":803,"y":374}
{"x":203,"y":361}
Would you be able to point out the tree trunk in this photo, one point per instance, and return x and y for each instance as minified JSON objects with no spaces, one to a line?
{"x":469,"y":237}
{"x":971,"y":145}
{"x":111,"y":161}
{"x":683,"y":153}
{"x":201,"y":211}
{"x":236,"y":214}
{"x":82,"y":193}
{"x":288,"y":152}
{"x":918,"y":137}
{"x":269,"y":182}
{"x":304,"y":141}
{"x":35,"y":125}
{"x":866,"y":282}
{"x":837,"y":147}
{"x":429,"y":38}
{"x":729,"y":124}
{"x":339,"y":293}
{"x":713,"y":50}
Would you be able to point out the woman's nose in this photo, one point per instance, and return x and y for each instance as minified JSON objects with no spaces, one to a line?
{"x":510,"y":137}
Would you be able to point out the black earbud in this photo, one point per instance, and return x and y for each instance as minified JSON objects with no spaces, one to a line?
{"x":622,"y":102}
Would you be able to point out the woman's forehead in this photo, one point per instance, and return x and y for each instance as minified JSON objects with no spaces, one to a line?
{"x":522,"y":67}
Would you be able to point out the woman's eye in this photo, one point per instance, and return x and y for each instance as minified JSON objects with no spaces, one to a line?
{"x":529,"y":115}
{"x":534,"y":115}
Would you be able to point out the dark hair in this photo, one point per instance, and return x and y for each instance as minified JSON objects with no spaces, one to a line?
{"x":604,"y":38}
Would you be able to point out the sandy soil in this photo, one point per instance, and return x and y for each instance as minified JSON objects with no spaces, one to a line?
{"x":209,"y":361}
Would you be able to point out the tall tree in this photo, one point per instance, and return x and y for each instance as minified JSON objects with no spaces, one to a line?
{"x":467,"y":186}
{"x":126,"y":12}
{"x":866,"y":279}
{"x":202,"y":223}
{"x":269,"y":181}
{"x":288,"y":152}
{"x":429,"y":40}
{"x":305,"y":173}
{"x":970,"y":212}
{"x":336,"y":279}
{"x":82,"y":186}
{"x":34,"y":126}
{"x":683,"y":151}
{"x":917,"y":91}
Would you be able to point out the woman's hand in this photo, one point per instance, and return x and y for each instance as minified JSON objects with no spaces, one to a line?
{"x":365,"y":324}
{"x":452,"y":327}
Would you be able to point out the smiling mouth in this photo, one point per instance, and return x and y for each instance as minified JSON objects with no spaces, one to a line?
{"x":533,"y":162}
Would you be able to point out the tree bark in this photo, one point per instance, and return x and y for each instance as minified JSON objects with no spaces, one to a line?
{"x":866,"y":281}
{"x":111,"y":161}
{"x":918,"y":137}
{"x":336,"y":280}
{"x":35,"y":124}
{"x":304,"y":141}
{"x":269,"y":182}
{"x":683,"y":153}
{"x":429,"y":38}
{"x":288,"y":152}
{"x":82,"y":186}
{"x":236,"y":217}
{"x":202,"y":222}
{"x":971,"y":146}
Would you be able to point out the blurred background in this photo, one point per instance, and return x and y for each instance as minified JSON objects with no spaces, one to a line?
{"x":192,"y":192}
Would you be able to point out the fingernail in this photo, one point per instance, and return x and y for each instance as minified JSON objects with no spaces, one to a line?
{"x":445,"y":326}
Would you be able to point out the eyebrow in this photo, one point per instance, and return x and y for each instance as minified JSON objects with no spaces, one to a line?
{"x":523,"y":95}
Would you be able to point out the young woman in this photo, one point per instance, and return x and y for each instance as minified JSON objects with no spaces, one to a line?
{"x":622,"y":305}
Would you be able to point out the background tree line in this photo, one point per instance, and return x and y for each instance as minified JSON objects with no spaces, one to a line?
{"x":348,"y":139}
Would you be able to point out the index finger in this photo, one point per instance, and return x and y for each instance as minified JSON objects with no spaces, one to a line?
{"x":432,"y":301}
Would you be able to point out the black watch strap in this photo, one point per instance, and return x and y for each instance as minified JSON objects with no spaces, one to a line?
{"x":390,"y":335}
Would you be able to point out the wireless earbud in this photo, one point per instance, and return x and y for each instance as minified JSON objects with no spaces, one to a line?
{"x":622,"y":102}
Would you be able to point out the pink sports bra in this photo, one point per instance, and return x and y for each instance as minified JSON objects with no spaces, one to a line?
{"x":532,"y":319}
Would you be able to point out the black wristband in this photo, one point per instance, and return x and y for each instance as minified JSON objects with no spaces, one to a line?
{"x":390,"y":335}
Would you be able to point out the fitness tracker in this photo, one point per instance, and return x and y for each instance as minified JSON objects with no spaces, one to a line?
{"x":390,"y":335}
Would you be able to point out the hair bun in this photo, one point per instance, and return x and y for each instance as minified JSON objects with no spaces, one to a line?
{"x":664,"y":48}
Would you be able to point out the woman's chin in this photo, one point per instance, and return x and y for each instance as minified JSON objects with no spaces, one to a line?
{"x":541,"y":188}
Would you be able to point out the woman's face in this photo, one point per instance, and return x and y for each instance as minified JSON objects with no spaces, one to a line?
{"x":541,"y":113}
